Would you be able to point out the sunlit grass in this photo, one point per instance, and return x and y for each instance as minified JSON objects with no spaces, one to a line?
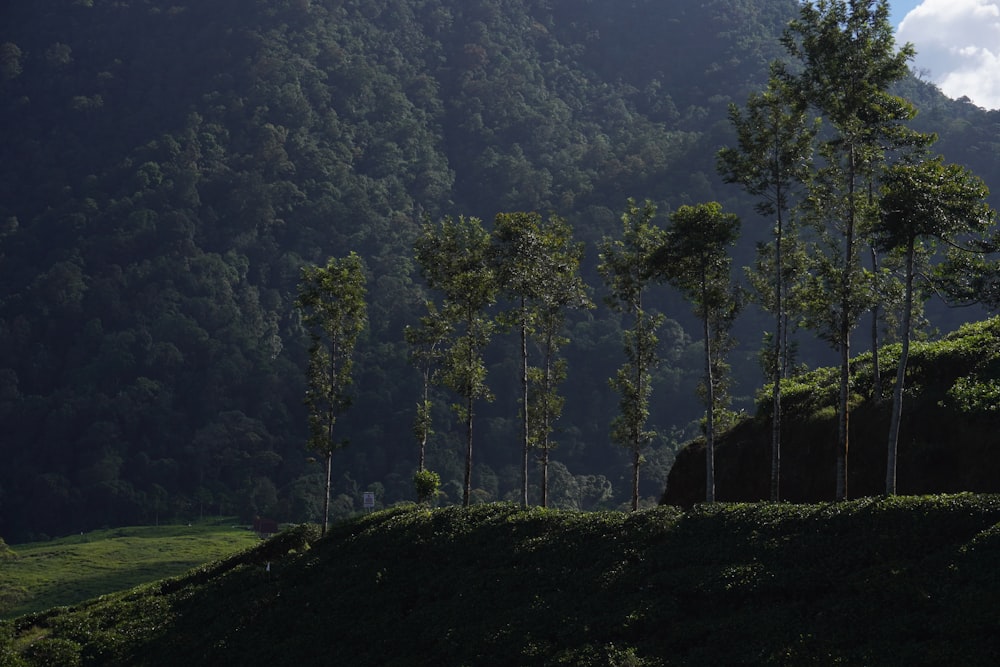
{"x":75,"y":568}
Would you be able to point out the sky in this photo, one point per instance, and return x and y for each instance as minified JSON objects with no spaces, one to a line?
{"x":957,"y":44}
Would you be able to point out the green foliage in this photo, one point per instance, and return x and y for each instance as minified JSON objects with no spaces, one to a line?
{"x":332,"y":301}
{"x":54,"y":653}
{"x":774,"y":149}
{"x":934,"y":200}
{"x":695,"y":259}
{"x":975,"y":395}
{"x":846,"y":61}
{"x":427,"y":484}
{"x":455,"y":259}
{"x":538,"y":266}
{"x":426,"y":341}
{"x":73,"y":569}
{"x":626,"y":265}
{"x":922,"y":202}
{"x":772,"y":161}
{"x":955,"y":372}
{"x":6,"y":553}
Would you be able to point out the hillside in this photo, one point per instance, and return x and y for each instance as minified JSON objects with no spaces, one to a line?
{"x":906,"y":581}
{"x":169,"y":166}
{"x":947,"y":443}
{"x":67,"y":571}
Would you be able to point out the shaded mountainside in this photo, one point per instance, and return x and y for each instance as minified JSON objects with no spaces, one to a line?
{"x":949,"y":439}
{"x":170,"y":165}
{"x":905,"y":581}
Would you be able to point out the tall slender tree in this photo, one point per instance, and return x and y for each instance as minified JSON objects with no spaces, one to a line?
{"x":929,"y":200}
{"x":847,"y":61}
{"x":695,"y":259}
{"x":426,"y":341}
{"x":520,"y":262}
{"x":562,"y":289}
{"x":625,"y":266}
{"x":537,"y":265}
{"x":332,"y":302}
{"x":771,"y":161}
{"x":455,"y":258}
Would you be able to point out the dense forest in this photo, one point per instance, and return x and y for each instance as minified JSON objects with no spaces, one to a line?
{"x":170,"y":167}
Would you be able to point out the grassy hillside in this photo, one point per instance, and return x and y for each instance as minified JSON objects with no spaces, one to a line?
{"x":907,"y":581}
{"x":40,"y":575}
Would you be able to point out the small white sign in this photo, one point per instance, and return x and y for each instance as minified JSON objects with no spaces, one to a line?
{"x":369,"y":499}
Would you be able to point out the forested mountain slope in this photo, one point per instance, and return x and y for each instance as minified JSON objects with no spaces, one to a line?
{"x":170,"y":166}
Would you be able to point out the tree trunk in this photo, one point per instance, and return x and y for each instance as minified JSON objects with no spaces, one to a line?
{"x":779,"y":367}
{"x":842,"y":421}
{"x":844,"y":335}
{"x":635,"y":478}
{"x":547,"y":383}
{"x":710,"y":421}
{"x":640,"y":366}
{"x":545,"y":478}
{"x":326,"y":493}
{"x":467,"y":488}
{"x":524,"y":399}
{"x":897,"y":394}
{"x":421,"y":459}
{"x":876,"y":368}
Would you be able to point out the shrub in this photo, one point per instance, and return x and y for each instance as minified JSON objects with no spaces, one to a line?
{"x":54,"y":653}
{"x":6,"y":553}
{"x":427,"y":483}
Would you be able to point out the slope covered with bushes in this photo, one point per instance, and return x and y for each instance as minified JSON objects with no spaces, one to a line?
{"x":906,"y":581}
{"x":948,"y":437}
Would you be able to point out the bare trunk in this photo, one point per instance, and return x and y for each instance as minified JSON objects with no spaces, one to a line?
{"x":546,"y":417}
{"x":844,"y":335}
{"x":524,"y":399}
{"x":779,"y":367}
{"x":897,"y":394}
{"x":710,"y":421}
{"x":635,"y":478}
{"x":467,"y":489}
{"x":876,"y":367}
{"x":326,"y":493}
{"x":421,"y":459}
{"x":545,"y":478}
{"x":842,"y":418}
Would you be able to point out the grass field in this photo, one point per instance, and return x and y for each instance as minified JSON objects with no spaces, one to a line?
{"x":39,"y":575}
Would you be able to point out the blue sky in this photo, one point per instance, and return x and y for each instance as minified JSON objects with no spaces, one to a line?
{"x":899,"y":9}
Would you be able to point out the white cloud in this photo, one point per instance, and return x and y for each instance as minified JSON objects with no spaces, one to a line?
{"x":958,"y":43}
